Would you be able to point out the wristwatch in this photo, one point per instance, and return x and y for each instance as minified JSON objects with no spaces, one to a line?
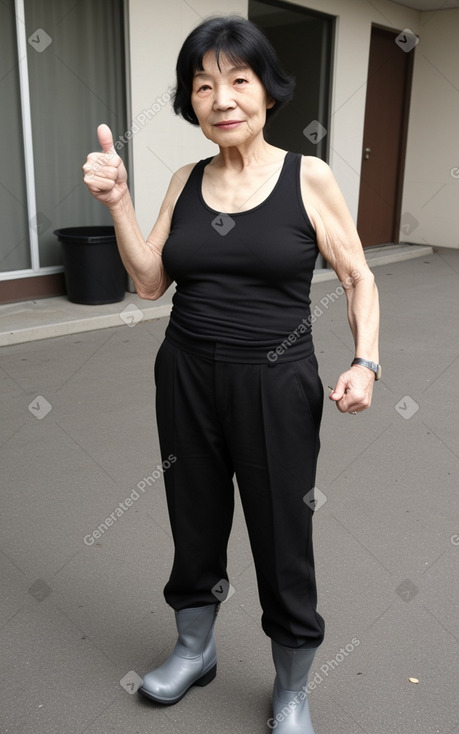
{"x":376,"y":368}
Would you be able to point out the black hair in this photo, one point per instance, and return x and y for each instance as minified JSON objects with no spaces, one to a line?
{"x":241,"y":41}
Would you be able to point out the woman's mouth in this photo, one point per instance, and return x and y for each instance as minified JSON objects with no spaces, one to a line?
{"x":228,"y":124}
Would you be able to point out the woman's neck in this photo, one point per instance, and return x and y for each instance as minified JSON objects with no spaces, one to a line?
{"x":252,"y":153}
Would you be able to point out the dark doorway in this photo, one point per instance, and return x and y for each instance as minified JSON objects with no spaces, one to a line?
{"x":384,"y":139}
{"x":303,"y":40}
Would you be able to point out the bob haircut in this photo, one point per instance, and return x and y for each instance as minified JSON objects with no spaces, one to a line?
{"x":241,"y":41}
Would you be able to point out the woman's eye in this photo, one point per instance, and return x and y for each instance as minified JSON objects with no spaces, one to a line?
{"x":203,"y":88}
{"x":240,"y":81}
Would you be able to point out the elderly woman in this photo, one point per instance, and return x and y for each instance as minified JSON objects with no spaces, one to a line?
{"x":237,"y":394}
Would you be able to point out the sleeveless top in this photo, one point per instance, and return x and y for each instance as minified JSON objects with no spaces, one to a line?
{"x":243,"y":279}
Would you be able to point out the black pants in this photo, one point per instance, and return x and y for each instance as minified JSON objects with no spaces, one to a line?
{"x":261,"y":423}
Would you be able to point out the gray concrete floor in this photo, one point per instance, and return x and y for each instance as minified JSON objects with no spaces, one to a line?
{"x":81,"y":623}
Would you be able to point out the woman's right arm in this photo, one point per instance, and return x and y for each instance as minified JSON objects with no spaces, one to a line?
{"x":106,"y":179}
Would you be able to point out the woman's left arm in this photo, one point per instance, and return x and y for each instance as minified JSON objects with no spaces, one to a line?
{"x":340,"y":245}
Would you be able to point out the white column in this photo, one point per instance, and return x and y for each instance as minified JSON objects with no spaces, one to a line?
{"x":27,"y":132}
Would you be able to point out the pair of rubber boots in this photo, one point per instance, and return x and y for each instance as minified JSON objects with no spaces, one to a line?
{"x":193,"y":662}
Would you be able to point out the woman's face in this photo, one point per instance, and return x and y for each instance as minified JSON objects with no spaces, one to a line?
{"x":230,"y":103}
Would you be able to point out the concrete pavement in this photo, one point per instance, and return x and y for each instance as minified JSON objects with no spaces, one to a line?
{"x":82,"y":615}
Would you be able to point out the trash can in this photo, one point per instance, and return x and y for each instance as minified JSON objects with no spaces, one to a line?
{"x":93,"y":269}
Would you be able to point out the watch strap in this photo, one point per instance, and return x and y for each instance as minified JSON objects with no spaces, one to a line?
{"x":373,"y":366}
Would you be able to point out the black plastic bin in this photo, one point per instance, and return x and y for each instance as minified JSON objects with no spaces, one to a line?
{"x":94,"y":272}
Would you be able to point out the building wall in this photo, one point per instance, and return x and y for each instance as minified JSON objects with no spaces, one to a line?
{"x":431,"y":191}
{"x":354,"y":21}
{"x":165,"y":142}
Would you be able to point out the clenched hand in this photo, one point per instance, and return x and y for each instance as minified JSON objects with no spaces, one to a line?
{"x":104,"y":173}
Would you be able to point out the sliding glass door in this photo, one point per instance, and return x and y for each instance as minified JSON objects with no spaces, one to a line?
{"x":63,"y":67}
{"x":14,"y":224}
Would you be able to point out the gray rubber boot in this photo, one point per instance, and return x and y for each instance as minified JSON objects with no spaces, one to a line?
{"x":193,"y":661}
{"x":290,"y":701}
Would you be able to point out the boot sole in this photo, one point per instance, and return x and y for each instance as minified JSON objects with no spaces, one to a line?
{"x":203,"y":681}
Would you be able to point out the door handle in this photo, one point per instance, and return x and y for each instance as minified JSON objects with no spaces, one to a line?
{"x":366,"y":153}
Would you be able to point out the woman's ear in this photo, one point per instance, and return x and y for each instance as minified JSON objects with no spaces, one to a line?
{"x":270,"y":103}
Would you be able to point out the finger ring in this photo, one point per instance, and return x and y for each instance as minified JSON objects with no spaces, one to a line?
{"x":354,"y":412}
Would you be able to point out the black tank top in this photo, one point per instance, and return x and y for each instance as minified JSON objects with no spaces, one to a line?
{"x":243,"y":279}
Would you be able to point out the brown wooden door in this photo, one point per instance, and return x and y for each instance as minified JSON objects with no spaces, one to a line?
{"x":384,"y":139}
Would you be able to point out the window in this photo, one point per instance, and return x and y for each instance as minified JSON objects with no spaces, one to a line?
{"x":62,"y":74}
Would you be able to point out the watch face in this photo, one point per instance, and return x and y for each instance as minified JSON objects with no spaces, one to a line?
{"x":378,"y":372}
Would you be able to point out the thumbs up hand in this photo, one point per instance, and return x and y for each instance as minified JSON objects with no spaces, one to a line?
{"x":104,"y":173}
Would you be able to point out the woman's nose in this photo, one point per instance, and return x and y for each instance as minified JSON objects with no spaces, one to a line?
{"x":223,"y":98}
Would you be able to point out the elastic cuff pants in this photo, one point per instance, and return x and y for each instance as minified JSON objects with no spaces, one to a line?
{"x":259,"y":422}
